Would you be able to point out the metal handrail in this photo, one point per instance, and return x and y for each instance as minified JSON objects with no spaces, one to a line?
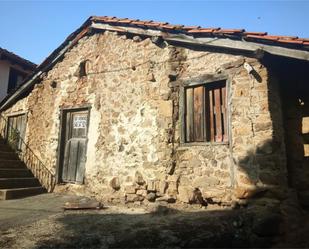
{"x":25,"y":153}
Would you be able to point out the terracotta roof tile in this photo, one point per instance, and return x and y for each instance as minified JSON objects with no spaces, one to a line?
{"x":282,"y":37}
{"x":190,"y":27}
{"x":192,"y":30}
{"x":97,"y":18}
{"x":169,"y":26}
{"x":290,"y":41}
{"x":113,"y":20}
{"x":138,"y":22}
{"x":255,"y":33}
{"x":154,"y":24}
{"x":303,"y":39}
{"x":264,"y":37}
{"x":202,"y":30}
{"x":229,"y":31}
{"x":158,"y":23}
{"x":126,"y":20}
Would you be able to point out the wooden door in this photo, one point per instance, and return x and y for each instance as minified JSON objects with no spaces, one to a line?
{"x":75,"y":145}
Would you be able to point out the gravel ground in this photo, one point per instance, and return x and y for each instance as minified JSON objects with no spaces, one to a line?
{"x":14,"y":213}
{"x":40,"y":222}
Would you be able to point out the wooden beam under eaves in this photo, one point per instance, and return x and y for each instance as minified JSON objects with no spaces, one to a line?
{"x":239,"y":45}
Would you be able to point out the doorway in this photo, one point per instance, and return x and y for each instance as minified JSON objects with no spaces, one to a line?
{"x":75,"y":123}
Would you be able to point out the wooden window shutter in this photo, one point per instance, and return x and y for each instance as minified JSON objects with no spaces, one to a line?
{"x":199,"y":108}
{"x":224,"y":112}
{"x":189,"y":115}
{"x":206,"y":113}
{"x":216,"y":112}
{"x":195,"y":113}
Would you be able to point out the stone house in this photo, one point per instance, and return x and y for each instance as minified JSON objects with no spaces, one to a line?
{"x":129,"y":110}
{"x":13,"y":70}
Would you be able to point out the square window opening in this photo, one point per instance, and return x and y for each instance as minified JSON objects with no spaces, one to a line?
{"x":205,"y":115}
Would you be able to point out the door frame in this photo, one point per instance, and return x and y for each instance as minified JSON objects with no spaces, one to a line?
{"x":61,"y":136}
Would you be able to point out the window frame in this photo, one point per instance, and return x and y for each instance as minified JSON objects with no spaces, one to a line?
{"x":202,"y":81}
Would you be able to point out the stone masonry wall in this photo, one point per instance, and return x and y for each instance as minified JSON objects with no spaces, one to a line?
{"x":134,"y":151}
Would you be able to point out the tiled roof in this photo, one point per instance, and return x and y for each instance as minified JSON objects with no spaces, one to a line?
{"x":14,"y":57}
{"x":197,"y":31}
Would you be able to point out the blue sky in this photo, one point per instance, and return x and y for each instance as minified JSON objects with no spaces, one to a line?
{"x":33,"y":29}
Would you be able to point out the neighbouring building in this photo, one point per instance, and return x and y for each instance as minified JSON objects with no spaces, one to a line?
{"x":129,"y":110}
{"x":13,"y":71}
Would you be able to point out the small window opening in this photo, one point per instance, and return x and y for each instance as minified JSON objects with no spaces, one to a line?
{"x":206,"y":113}
{"x":82,"y":69}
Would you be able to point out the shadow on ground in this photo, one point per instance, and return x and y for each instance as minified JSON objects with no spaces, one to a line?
{"x":167,"y":228}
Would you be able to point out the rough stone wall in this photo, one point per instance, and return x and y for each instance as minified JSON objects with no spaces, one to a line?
{"x":258,"y":136}
{"x":134,"y":150}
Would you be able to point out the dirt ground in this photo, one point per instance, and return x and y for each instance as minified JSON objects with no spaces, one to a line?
{"x":41,"y":222}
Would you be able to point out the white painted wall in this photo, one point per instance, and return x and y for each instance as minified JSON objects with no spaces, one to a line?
{"x":4,"y":78}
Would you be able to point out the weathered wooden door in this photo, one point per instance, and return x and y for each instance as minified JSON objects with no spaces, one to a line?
{"x":75,"y":145}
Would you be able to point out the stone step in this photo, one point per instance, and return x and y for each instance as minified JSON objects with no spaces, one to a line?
{"x":9,"y":183}
{"x":15,"y":173}
{"x":8,"y":155}
{"x":7,"y":194}
{"x":5,"y":148}
{"x":11,"y":164}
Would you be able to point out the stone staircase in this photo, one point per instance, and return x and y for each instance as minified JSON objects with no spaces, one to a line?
{"x":16,"y":180}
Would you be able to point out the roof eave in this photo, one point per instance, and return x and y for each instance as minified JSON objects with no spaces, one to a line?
{"x":7,"y":55}
{"x":240,"y":45}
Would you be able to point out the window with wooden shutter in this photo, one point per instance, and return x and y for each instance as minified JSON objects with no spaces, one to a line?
{"x":206,"y":113}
